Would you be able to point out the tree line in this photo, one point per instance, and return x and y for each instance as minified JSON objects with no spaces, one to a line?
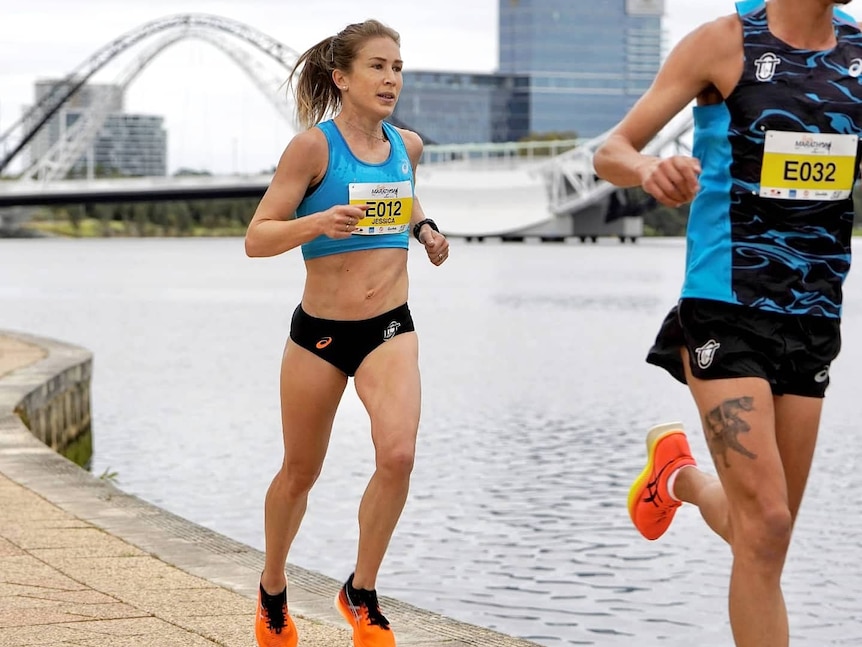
{"x":170,"y":218}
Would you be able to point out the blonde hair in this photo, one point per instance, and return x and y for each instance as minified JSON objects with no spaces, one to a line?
{"x":311,"y":77}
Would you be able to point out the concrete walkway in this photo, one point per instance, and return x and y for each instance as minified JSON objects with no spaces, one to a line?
{"x":15,"y":354}
{"x":84,"y":564}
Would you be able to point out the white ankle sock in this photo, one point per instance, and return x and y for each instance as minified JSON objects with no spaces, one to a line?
{"x":671,"y":481}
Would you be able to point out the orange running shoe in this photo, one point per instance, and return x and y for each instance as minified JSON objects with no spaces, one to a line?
{"x":361,"y":610}
{"x":651,"y":506}
{"x":273,"y":627}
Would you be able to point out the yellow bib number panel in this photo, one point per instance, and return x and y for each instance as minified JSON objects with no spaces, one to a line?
{"x":808,"y":166}
{"x":390,"y":205}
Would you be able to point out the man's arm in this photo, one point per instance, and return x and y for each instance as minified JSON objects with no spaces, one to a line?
{"x":706,"y":59}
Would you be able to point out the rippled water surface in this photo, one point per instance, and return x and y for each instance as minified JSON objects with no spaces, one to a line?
{"x":536,"y":399}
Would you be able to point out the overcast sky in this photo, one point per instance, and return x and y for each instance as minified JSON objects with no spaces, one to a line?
{"x":216,"y":118}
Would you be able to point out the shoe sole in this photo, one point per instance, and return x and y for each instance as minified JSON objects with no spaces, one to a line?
{"x":654,"y":435}
{"x":337,"y":604}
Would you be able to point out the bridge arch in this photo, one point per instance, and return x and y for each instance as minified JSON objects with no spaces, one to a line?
{"x":17,"y":136}
{"x":73,"y":141}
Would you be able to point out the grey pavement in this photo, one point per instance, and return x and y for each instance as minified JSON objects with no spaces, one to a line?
{"x":83,"y":563}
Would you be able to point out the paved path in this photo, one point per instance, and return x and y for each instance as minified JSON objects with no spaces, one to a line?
{"x":15,"y":354}
{"x":84,"y":564}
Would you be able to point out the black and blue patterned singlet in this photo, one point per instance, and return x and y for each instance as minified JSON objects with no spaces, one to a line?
{"x":771,"y":226}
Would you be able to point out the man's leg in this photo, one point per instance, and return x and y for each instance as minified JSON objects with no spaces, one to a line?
{"x":739,"y":423}
{"x":797,"y":420}
{"x":707,"y":493}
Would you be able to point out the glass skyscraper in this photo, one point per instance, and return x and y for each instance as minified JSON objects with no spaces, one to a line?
{"x":570,"y":67}
{"x":127,"y":144}
{"x":588,"y":61}
{"x":463,"y":107}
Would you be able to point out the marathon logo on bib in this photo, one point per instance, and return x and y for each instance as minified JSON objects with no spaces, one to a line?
{"x":808,"y":166}
{"x":390,"y":205}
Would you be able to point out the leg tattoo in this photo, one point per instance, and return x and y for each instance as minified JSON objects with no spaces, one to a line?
{"x":723,"y":426}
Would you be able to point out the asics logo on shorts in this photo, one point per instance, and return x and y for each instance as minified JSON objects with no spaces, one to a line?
{"x":822,"y":376}
{"x":706,"y":353}
{"x":323,"y":343}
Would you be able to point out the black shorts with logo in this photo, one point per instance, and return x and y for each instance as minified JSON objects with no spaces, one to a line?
{"x":791,"y":352}
{"x":344,"y":344}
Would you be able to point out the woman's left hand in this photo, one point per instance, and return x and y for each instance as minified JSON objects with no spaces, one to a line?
{"x":436,"y":245}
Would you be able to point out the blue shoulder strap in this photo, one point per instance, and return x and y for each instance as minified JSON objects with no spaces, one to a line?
{"x":327,"y":126}
{"x":845,"y":17}
{"x":745,"y":7}
{"x":390,"y":131}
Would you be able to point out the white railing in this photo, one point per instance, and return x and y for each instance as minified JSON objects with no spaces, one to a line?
{"x":497,"y":153}
{"x":571,"y":180}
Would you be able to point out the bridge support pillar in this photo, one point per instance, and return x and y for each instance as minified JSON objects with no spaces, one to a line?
{"x":588,"y":224}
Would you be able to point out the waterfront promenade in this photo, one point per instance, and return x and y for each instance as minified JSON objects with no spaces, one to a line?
{"x":83,"y":563}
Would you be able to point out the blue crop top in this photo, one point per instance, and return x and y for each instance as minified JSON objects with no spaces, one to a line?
{"x":387,"y":187}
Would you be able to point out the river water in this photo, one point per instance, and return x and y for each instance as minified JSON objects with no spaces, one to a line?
{"x":536,"y":400}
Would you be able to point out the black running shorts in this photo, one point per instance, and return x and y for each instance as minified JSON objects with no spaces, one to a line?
{"x":344,"y":344}
{"x":791,"y":352}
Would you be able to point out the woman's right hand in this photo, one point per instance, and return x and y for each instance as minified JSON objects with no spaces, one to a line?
{"x":340,"y":221}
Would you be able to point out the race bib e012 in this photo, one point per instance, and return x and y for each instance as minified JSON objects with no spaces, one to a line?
{"x":390,"y":205}
{"x":808,"y":166}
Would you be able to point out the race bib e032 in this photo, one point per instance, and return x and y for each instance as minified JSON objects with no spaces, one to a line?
{"x":390,"y":205}
{"x":808,"y":166}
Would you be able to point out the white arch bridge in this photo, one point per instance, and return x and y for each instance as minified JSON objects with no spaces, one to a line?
{"x":477,"y":190}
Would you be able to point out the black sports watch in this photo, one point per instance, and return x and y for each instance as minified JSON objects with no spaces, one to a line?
{"x":418,"y":226}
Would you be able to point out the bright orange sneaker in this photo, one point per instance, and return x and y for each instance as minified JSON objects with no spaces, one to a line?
{"x":650,"y":505}
{"x":361,"y":610}
{"x":273,"y":627}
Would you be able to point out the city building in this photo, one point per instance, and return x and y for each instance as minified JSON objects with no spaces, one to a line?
{"x":126,"y":144}
{"x":566,"y":67}
{"x":461,"y":107}
{"x":129,"y":144}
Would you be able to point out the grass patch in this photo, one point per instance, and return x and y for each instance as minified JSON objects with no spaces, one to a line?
{"x":93,"y":228}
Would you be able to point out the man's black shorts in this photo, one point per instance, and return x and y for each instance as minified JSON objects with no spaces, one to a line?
{"x":791,"y":352}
